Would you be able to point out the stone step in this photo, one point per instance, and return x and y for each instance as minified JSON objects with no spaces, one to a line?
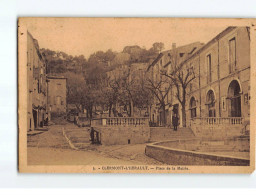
{"x":82,"y":145}
{"x":170,"y":133}
{"x":167,"y":133}
{"x":160,"y":138}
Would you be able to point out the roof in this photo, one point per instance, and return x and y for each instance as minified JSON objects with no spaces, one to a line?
{"x":188,"y":48}
{"x":35,"y":42}
{"x":216,"y":38}
{"x":155,"y":61}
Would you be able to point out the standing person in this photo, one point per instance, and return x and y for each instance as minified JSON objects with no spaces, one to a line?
{"x":46,"y":120}
{"x":92,"y":135}
{"x":175,"y":121}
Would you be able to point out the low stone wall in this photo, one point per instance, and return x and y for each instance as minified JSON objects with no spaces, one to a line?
{"x":174,"y":156}
{"x":216,"y":131}
{"x":120,"y":135}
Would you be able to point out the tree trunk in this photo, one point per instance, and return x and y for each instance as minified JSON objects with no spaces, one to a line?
{"x":109,"y":110}
{"x":183,"y":115}
{"x":164,"y":115}
{"x":91,"y":107}
{"x":131,"y":109}
{"x":87,"y":112}
{"x":183,"y":105}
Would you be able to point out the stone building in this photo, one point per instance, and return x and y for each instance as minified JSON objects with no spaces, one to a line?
{"x":219,"y":96}
{"x":138,"y":71}
{"x":166,"y":61}
{"x":57,"y":96}
{"x":37,"y":93}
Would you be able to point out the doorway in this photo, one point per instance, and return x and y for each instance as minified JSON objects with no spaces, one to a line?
{"x":35,"y":118}
{"x":211,"y":104}
{"x":234,"y":96}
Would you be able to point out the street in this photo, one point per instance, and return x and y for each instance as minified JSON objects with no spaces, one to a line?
{"x":53,"y":148}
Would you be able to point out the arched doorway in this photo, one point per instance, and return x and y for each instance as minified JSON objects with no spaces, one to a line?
{"x":234,"y":96}
{"x":210,"y":101}
{"x":192,"y":107}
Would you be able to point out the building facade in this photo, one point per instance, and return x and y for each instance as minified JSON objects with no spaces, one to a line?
{"x":57,"y":96}
{"x":219,"y":95}
{"x":37,"y":90}
{"x":222,"y":87}
{"x":166,"y":62}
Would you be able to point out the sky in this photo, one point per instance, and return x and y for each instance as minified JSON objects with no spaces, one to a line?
{"x":84,"y":36}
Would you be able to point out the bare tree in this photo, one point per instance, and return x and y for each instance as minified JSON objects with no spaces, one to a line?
{"x":110,"y":94}
{"x":160,"y":90}
{"x":181,"y":77}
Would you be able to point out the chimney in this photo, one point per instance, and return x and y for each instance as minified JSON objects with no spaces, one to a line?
{"x":173,"y":45}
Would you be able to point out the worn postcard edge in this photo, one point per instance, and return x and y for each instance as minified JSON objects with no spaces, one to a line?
{"x":23,"y":167}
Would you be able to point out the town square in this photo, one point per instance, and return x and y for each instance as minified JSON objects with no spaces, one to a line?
{"x":127,"y":98}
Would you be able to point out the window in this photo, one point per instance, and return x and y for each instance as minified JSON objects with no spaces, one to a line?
{"x":223,"y":103}
{"x":193,"y":107}
{"x":58,"y":100}
{"x":209,"y":67}
{"x":232,"y":55}
{"x":181,"y":55}
{"x":211,"y":104}
{"x":190,"y":87}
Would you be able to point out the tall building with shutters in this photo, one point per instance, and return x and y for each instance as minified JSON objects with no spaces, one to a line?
{"x":37,"y":90}
{"x":57,"y":95}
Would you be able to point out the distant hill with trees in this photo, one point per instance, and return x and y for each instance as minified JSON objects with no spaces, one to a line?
{"x":87,"y":78}
{"x":59,"y":62}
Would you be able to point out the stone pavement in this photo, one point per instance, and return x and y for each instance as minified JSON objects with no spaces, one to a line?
{"x":52,"y":148}
{"x":53,"y":138}
{"x":80,"y":136}
{"x":54,"y":156}
{"x":66,"y":143}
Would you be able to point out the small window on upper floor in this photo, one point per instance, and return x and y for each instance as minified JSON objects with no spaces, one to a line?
{"x":209,"y":68}
{"x":182,"y":54}
{"x":232,"y":55}
{"x":58,"y":100}
{"x":190,"y":87}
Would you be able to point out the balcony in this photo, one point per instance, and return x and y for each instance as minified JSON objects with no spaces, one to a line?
{"x":218,"y":127}
{"x":217,"y":121}
{"x":120,"y":121}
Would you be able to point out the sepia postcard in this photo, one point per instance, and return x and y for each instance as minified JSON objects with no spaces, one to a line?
{"x":136,"y":95}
